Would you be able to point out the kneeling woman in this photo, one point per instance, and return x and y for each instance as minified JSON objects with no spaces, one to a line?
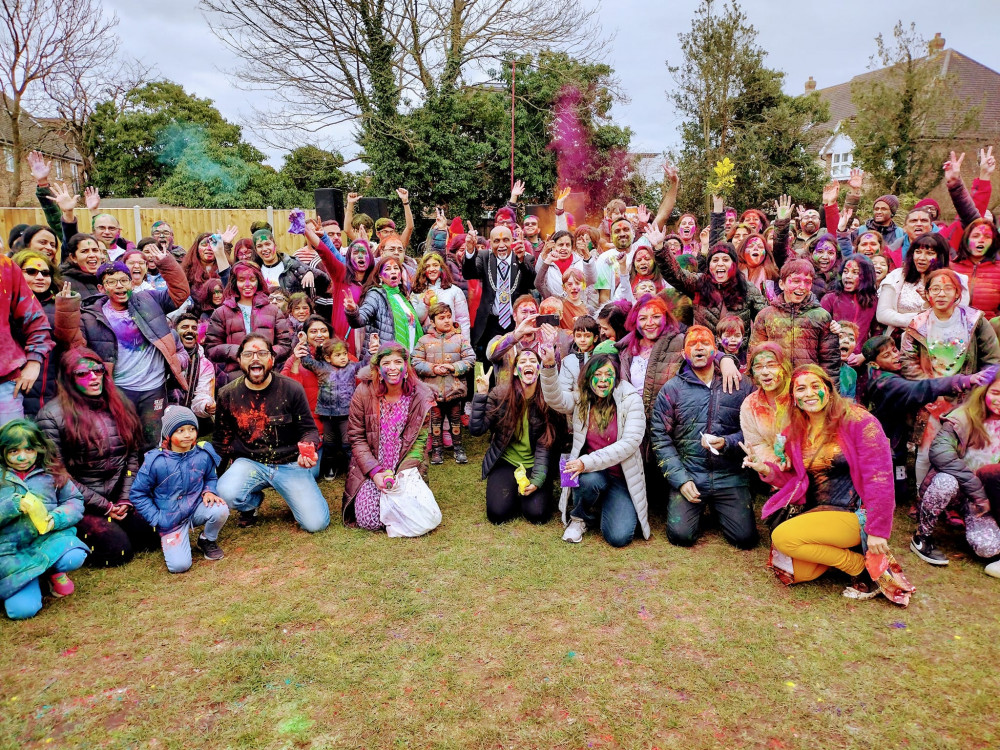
{"x":837,"y":489}
{"x":524,"y":434}
{"x":387,"y":428}
{"x":39,"y":508}
{"x":609,"y":424}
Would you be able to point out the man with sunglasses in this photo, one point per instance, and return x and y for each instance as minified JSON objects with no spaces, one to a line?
{"x":264,"y":425}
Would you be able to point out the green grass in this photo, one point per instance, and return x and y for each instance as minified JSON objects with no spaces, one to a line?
{"x":486,"y":637}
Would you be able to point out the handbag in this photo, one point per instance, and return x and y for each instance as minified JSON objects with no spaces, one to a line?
{"x":409,"y":507}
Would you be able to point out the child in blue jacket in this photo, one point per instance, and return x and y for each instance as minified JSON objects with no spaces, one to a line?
{"x":337,"y":376}
{"x":175,"y":491}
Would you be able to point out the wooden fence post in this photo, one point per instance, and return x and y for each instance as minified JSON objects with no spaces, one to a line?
{"x":137,"y":223}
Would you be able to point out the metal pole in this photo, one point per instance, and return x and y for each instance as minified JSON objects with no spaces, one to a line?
{"x":513,"y":69}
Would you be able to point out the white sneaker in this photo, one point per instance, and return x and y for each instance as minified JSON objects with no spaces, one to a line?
{"x":993,"y":569}
{"x":575,"y":530}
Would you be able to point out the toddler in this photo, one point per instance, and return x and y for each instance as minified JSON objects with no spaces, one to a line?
{"x":337,"y":376}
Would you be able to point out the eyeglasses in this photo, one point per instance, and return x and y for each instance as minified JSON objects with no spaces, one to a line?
{"x":941,"y":290}
{"x":161,"y":233}
{"x":258,"y":356}
{"x":81,"y":373}
{"x":37,"y":272}
{"x":115,"y":282}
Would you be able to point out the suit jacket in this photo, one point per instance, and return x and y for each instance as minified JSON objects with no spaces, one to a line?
{"x":483,"y":266}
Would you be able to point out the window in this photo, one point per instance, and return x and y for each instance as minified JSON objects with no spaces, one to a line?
{"x":8,"y":157}
{"x":76,"y":171}
{"x":59,"y":170}
{"x":840,"y":165}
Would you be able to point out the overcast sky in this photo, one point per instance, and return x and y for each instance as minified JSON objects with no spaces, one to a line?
{"x":830,"y":41}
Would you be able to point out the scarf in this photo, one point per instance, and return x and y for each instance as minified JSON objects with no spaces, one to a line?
{"x":405,"y":325}
{"x":564,"y":264}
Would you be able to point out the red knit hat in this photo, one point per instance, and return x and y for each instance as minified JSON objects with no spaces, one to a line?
{"x":456,"y":226}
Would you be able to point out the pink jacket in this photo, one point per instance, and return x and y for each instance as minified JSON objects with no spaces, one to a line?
{"x":23,"y":314}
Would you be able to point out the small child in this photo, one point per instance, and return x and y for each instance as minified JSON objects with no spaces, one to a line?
{"x":442,"y":358}
{"x":175,"y":491}
{"x":586,"y":333}
{"x":39,"y":510}
{"x":279,"y":299}
{"x":300,"y":307}
{"x":337,"y":376}
{"x":732,"y":338}
{"x":848,"y":383}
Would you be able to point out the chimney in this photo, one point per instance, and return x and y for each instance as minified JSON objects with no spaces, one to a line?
{"x":810,"y":84}
{"x":936,"y":44}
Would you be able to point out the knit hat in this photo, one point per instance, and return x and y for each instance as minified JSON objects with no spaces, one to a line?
{"x":929,"y":202}
{"x":114,"y":267}
{"x":175,"y":417}
{"x":606,"y":347}
{"x":873,"y":346}
{"x":890,"y":200}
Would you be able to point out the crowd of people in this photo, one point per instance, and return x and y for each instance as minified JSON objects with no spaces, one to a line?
{"x":841,"y":364}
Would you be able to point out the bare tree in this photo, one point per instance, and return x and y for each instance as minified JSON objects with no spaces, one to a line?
{"x":39,"y":41}
{"x":334,"y":61}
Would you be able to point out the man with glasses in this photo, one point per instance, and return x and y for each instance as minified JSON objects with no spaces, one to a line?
{"x":129,"y":330}
{"x":163,"y":233}
{"x":264,"y":425}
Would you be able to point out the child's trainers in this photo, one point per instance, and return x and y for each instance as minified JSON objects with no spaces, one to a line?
{"x":210,"y":549}
{"x":61,"y":585}
{"x":446,"y":438}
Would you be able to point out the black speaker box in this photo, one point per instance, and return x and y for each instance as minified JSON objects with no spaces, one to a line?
{"x":330,"y":204}
{"x":377,"y":208}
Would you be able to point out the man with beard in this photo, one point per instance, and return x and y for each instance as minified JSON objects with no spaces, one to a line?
{"x":610,"y":260}
{"x":264,"y":425}
{"x":163,"y":233}
{"x":200,"y":375}
{"x":148,"y":246}
{"x":808,"y":229}
{"x":696,"y":436}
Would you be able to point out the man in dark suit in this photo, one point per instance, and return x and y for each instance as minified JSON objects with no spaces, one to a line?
{"x":505,"y":275}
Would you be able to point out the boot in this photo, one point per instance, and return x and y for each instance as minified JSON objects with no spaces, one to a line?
{"x":460,"y":457}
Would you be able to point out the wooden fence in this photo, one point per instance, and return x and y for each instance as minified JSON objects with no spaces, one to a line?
{"x":187,"y":223}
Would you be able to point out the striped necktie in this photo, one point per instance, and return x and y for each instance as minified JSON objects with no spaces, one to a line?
{"x":503,"y":293}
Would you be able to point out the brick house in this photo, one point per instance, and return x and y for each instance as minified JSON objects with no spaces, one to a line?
{"x":41,"y":134}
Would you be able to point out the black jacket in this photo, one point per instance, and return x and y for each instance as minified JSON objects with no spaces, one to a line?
{"x":483,"y":266}
{"x":480,"y":424}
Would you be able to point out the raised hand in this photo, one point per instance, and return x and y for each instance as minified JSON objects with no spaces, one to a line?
{"x":404,"y":194}
{"x":670,"y":173}
{"x":548,"y":355}
{"x":92,"y":198}
{"x":643,"y":214}
{"x":353,"y":198}
{"x":845,"y":219}
{"x":831,"y":193}
{"x":349,"y":304}
{"x":157,"y":253}
{"x":783,"y":207}
{"x":470,"y":238}
{"x":751,"y":461}
{"x":483,"y":382}
{"x":525,"y":328}
{"x":563,"y":194}
{"x":656,"y":236}
{"x":440,"y":220}
{"x":230,"y":234}
{"x":856,"y":180}
{"x":953,"y":167}
{"x":517,"y":191}
{"x":834,"y":327}
{"x":64,"y":198}
{"x":987,"y":163}
{"x":301,"y":348}
{"x":39,"y":167}
{"x":66,"y":291}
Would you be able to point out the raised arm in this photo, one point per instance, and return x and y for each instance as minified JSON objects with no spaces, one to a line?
{"x":404,"y":197}
{"x":672,"y":182}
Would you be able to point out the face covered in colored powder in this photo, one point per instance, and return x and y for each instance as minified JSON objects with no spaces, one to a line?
{"x":643,"y":262}
{"x":392,"y":368}
{"x":850,"y":276}
{"x":980,"y":240}
{"x":88,"y":376}
{"x":621,"y":235}
{"x":644,"y":287}
{"x":869,"y":244}
{"x":797,"y":287}
{"x":993,"y":399}
{"x":649,"y":322}
{"x":752,"y":220}
{"x":266,"y":249}
{"x":810,"y":393}
{"x":731,"y":341}
{"x":573,"y":288}
{"x":21,"y":458}
{"x":526,"y":367}
{"x":700,"y":350}
{"x":943,"y":295}
{"x":848,"y":341}
{"x":686,"y":227}
{"x":824,"y":255}
{"x":741,"y":233}
{"x":754,"y":252}
{"x":391,"y":274}
{"x":246,"y":282}
{"x":602,"y":381}
{"x":767,"y":372}
{"x":721,"y":268}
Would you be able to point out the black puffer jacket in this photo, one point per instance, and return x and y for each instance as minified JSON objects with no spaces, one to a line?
{"x":103,"y":472}
{"x":480,"y":424}
{"x":684,"y":409}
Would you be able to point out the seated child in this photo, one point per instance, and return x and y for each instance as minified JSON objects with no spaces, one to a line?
{"x":732,"y":338}
{"x":39,"y":510}
{"x":175,"y":491}
{"x":337,"y":376}
{"x":848,"y":383}
{"x":442,"y":358}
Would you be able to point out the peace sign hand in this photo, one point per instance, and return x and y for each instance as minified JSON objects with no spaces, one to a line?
{"x":953,"y":168}
{"x":350,"y":306}
{"x":987,"y":163}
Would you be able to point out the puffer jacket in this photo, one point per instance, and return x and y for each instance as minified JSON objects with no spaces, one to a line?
{"x":364,"y":433}
{"x":684,"y":409}
{"x":25,"y":331}
{"x":624,"y":452}
{"x":984,"y":283}
{"x":291,"y":277}
{"x":983,"y":346}
{"x":82,"y":283}
{"x":947,"y":456}
{"x":665,"y":361}
{"x":45,"y":386}
{"x":103,"y":473}
{"x":226,"y":331}
{"x":88,"y":326}
{"x":24,"y":554}
{"x":168,"y":488}
{"x":480,"y":423}
{"x":336,"y":386}
{"x":455,"y":297}
{"x":444,"y":349}
{"x":374,"y":314}
{"x":802,"y":331}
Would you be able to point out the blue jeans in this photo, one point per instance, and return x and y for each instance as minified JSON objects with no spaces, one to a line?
{"x":11,"y":406}
{"x":602,"y":492}
{"x":177,"y":544}
{"x":243,"y":483}
{"x":27,"y":602}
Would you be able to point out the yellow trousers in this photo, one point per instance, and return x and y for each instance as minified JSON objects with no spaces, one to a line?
{"x":820,"y":540}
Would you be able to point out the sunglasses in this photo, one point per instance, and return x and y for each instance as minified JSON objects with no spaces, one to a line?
{"x":37,"y":272}
{"x":81,"y":373}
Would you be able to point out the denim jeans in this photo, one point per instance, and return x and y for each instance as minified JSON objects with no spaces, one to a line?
{"x":27,"y":601}
{"x":177,"y":544}
{"x":733,"y":507}
{"x":150,"y":406}
{"x":11,"y":406}
{"x":602,"y":492}
{"x":243,"y":483}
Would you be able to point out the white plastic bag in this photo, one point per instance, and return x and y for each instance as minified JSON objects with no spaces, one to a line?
{"x":409,"y":508}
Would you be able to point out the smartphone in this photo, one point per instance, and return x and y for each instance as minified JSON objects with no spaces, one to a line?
{"x":552,"y":320}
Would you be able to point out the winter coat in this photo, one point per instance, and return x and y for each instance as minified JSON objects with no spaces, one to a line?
{"x":25,"y":331}
{"x":82,"y":283}
{"x":984,"y":283}
{"x":684,"y":409}
{"x":336,"y":386}
{"x":374,"y":314}
{"x":483,"y":405}
{"x":46,"y":385}
{"x":947,"y":454}
{"x":89,"y":327}
{"x":760,"y":424}
{"x":548,"y":278}
{"x":336,"y":266}
{"x":843,"y":306}
{"x":169,"y":486}
{"x":226,"y":331}
{"x":103,"y":473}
{"x":869,"y":460}
{"x":896,"y":300}
{"x":482,"y":266}
{"x":454,"y":297}
{"x":24,"y":554}
{"x":802,"y":331}
{"x":364,"y":433}
{"x":624,"y":452}
{"x":444,"y":349}
{"x":665,"y":360}
{"x":983,"y":346}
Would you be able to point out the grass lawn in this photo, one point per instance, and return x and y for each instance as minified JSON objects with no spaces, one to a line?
{"x":498,"y":637}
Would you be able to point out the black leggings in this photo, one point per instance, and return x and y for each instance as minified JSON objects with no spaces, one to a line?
{"x":335,"y":442}
{"x":504,"y":503}
{"x":453,"y":411}
{"x":113,"y":543}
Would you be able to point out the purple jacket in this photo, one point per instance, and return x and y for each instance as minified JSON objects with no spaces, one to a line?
{"x":869,"y":459}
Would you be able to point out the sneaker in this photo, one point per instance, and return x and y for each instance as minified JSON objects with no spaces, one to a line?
{"x":575,"y":531}
{"x":210,"y":549}
{"x":925,"y":550}
{"x":247,"y":518}
{"x":330,"y":475}
{"x":460,"y":457}
{"x":993,"y":569}
{"x":447,"y":439}
{"x":861,"y":588}
{"x":437,"y":456}
{"x":61,"y":585}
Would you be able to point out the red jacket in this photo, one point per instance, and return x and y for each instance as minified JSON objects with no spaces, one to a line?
{"x":984,"y":283}
{"x":25,"y":315}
